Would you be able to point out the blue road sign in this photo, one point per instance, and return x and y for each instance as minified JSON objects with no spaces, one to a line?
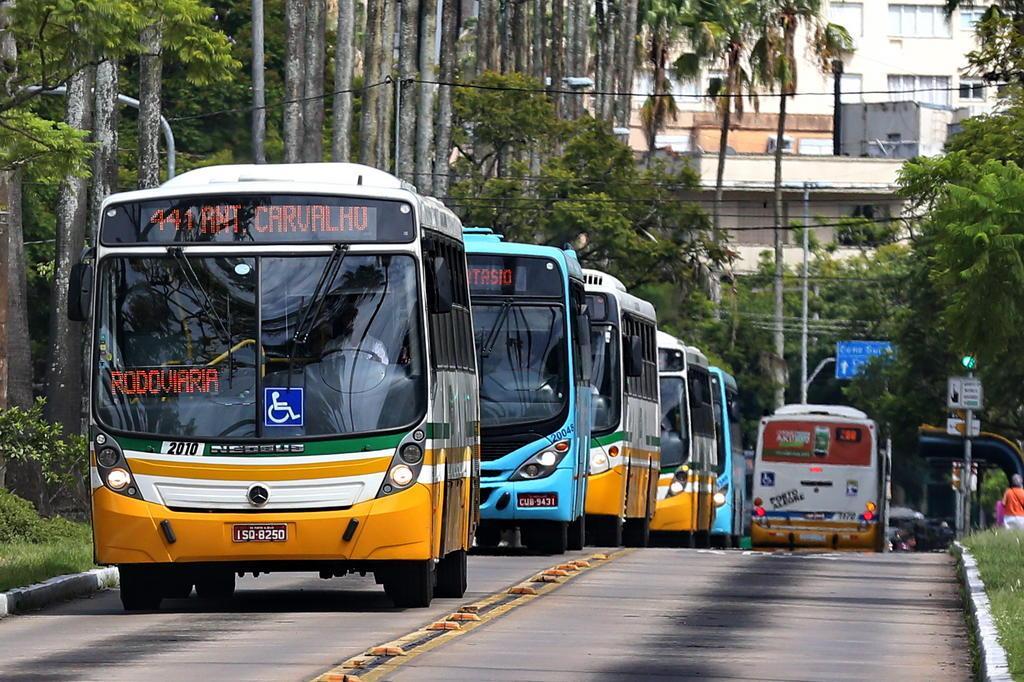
{"x":851,"y":356}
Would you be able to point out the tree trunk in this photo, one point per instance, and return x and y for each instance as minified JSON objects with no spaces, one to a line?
{"x":504,"y":25}
{"x":341,"y":127}
{"x":425,"y":97}
{"x":780,"y":337}
{"x":313,"y":82}
{"x":520,"y":50}
{"x":443,"y":131}
{"x":556,"y":54}
{"x":104,"y":160}
{"x":259,"y":100}
{"x":150,"y":84}
{"x":484,"y":46}
{"x":658,"y":61}
{"x":723,"y":146}
{"x":372,"y":56}
{"x":539,"y":39}
{"x":294,"y":80}
{"x":627,"y":49}
{"x":386,"y":102}
{"x":64,"y":369}
{"x":408,"y":52}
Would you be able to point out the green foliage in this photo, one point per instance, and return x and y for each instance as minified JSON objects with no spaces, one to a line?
{"x":19,"y":522}
{"x":1000,"y":555}
{"x":26,"y":436}
{"x":993,"y":485}
{"x":46,"y":150}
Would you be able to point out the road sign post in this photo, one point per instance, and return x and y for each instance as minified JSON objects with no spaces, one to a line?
{"x":965,"y":393}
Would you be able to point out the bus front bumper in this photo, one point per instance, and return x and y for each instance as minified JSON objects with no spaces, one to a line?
{"x":823,"y":534}
{"x":396,"y":527}
{"x":507,"y":500}
{"x":606,"y":492}
{"x":676,"y":513}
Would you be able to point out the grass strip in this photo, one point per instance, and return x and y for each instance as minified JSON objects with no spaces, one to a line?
{"x":1000,"y":557}
{"x":24,"y":563}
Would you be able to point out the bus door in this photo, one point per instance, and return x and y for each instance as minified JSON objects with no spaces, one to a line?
{"x":584,"y":416}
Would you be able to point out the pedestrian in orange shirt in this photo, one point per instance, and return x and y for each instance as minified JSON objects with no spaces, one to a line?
{"x":1013,"y":504}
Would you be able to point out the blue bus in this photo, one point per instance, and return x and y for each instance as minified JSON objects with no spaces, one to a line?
{"x":727,"y":527}
{"x":533,"y":348}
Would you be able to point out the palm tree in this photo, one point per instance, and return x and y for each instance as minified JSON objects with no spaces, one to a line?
{"x":721,"y":33}
{"x":774,"y":63}
{"x":662,"y":20}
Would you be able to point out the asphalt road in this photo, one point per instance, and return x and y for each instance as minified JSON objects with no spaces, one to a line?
{"x":655,"y":613}
{"x":279,"y":627}
{"x":679,"y":614}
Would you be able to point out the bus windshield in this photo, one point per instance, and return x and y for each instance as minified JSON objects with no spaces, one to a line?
{"x":675,"y":427}
{"x":817,"y":442}
{"x":258,"y":347}
{"x":523,"y":359}
{"x":604,"y":349}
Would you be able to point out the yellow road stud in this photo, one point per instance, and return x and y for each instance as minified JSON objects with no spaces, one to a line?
{"x":463,"y":617}
{"x":522,"y":589}
{"x":444,"y":625}
{"x":387,"y":650}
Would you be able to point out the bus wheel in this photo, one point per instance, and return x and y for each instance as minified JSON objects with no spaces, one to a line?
{"x":176,"y":583}
{"x":546,"y":537}
{"x":734,"y":541}
{"x":217,"y":584}
{"x":140,"y":590}
{"x":702,"y":539}
{"x":410,"y":585}
{"x":604,"y":531}
{"x":578,"y":532}
{"x":452,"y":575}
{"x":637,"y":532}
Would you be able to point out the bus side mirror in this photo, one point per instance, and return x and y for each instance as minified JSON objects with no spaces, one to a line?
{"x":79,"y":292}
{"x":443,"y":297}
{"x":635,"y":357}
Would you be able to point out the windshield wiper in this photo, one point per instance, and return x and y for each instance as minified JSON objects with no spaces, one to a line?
{"x":492,"y":336}
{"x":326,"y":281}
{"x":192,"y":279}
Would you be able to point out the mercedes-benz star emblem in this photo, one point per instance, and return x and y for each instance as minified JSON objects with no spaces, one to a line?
{"x":258,"y":495}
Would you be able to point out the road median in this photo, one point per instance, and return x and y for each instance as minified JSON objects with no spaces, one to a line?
{"x":61,"y":588}
{"x":988,"y":608}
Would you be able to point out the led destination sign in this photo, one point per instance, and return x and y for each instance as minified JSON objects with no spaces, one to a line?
{"x":258,"y":219}
{"x":165,"y":381}
{"x":513,"y":275}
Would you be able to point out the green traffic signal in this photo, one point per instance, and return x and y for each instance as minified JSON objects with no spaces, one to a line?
{"x":968,"y":361}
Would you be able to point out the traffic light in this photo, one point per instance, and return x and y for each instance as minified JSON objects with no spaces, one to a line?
{"x":955,"y":482}
{"x":969,"y":361}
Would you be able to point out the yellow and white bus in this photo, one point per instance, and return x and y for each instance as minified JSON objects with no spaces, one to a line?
{"x":689,"y":448}
{"x":818,"y":480}
{"x":283,"y":379}
{"x":624,"y":445}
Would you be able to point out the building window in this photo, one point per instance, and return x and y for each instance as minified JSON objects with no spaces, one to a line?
{"x":969,"y":17}
{"x":815,"y":146}
{"x":849,"y":15}
{"x":924,"y":89}
{"x":918,"y":21}
{"x":972,"y":89}
{"x":850,"y":86}
{"x":686,"y":90}
{"x":787,"y":144}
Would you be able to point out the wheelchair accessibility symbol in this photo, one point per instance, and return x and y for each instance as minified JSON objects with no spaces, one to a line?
{"x":283,"y":406}
{"x":768,"y":479}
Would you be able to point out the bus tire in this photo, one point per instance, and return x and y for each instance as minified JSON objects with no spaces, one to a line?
{"x":702,"y":539}
{"x":410,"y":585}
{"x":452,"y":575}
{"x":176,"y":583}
{"x":216,"y":584}
{"x":578,"y":533}
{"x":604,"y":531}
{"x":734,"y":541}
{"x":140,"y":590}
{"x":636,"y":532}
{"x":546,"y":537}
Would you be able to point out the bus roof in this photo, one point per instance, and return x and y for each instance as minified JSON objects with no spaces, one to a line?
{"x":696,"y":356}
{"x":727,"y":379}
{"x":486,"y":240}
{"x":825,"y":410}
{"x":601,"y":282}
{"x":301,"y":178}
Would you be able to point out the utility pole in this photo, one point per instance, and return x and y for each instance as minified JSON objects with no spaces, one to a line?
{"x":259,"y":110}
{"x":803,"y":328}
{"x":965,"y":478}
{"x":837,"y":114}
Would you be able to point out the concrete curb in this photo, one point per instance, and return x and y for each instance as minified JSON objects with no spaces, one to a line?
{"x":61,"y":588}
{"x":994,"y":665}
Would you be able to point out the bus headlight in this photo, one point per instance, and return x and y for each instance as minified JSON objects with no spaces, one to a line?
{"x":411,"y":453}
{"x":719,"y":499}
{"x":108,"y":457}
{"x":118,"y":478}
{"x":540,"y":465}
{"x":675,"y":488}
{"x":598,"y":463}
{"x":400,"y":475}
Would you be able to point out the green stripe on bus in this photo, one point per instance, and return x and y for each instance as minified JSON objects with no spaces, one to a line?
{"x":439,"y":430}
{"x":610,"y":438}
